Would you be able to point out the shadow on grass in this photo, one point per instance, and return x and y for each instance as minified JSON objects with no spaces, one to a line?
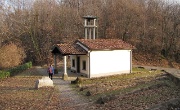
{"x":32,"y":72}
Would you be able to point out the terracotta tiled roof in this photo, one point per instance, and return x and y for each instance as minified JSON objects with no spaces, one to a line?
{"x":103,"y":44}
{"x":70,"y":49}
{"x":90,"y":44}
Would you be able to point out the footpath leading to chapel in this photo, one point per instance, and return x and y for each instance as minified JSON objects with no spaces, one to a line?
{"x":70,"y":100}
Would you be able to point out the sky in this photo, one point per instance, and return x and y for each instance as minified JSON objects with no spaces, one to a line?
{"x":30,"y":2}
{"x":174,"y":1}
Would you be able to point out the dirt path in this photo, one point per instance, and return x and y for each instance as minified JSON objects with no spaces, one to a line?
{"x":70,"y":100}
{"x":173,"y":71}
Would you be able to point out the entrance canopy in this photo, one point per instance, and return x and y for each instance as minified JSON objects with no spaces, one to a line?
{"x":68,"y":49}
{"x":65,"y":50}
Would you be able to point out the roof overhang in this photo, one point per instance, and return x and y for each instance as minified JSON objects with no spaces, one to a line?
{"x":68,"y":49}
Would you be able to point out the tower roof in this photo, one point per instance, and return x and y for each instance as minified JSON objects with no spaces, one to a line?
{"x":89,"y":17}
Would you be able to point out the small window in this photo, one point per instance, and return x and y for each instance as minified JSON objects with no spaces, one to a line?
{"x":84,"y":65}
{"x":73,"y":62}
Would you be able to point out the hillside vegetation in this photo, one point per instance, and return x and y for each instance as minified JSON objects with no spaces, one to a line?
{"x":140,"y":90}
{"x":149,"y":59}
{"x":35,"y":25}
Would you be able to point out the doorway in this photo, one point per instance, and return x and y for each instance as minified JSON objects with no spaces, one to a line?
{"x":78,"y":64}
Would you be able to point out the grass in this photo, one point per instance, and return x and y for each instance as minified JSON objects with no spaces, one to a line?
{"x":138,"y":90}
{"x":19,"y":93}
{"x":29,"y":73}
{"x":134,"y":69}
{"x":145,"y":87}
{"x":137,"y":73}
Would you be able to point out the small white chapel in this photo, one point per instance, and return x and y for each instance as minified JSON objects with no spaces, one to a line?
{"x":93,"y":57}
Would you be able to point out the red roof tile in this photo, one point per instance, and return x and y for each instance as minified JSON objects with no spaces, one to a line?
{"x":70,"y":49}
{"x":103,"y":44}
{"x":97,"y":44}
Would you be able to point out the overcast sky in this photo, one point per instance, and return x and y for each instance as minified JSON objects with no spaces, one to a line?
{"x":30,"y":2}
{"x":174,"y":1}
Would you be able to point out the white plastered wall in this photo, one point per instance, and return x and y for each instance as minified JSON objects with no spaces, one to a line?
{"x":82,"y":58}
{"x":73,"y":57}
{"x":103,"y":63}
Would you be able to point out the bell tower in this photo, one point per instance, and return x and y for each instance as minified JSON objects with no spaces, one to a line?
{"x":90,"y":27}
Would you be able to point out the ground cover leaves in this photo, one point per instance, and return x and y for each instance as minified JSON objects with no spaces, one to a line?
{"x":17,"y":93}
{"x":139,"y":90}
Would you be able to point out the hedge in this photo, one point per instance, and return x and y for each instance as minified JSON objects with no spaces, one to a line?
{"x":4,"y":74}
{"x":15,"y":70}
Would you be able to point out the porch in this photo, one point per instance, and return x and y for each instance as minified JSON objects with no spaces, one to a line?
{"x":65,"y":50}
{"x":71,"y":75}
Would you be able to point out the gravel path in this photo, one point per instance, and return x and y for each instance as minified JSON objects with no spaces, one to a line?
{"x":66,"y":93}
{"x":70,"y":100}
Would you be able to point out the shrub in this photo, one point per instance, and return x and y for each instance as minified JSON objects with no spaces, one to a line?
{"x":4,"y":74}
{"x":15,"y":70}
{"x":11,"y":55}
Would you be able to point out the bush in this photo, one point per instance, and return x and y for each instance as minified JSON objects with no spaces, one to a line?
{"x":18,"y":69}
{"x":15,"y":70}
{"x":4,"y":74}
{"x":11,"y":55}
{"x":78,"y":80}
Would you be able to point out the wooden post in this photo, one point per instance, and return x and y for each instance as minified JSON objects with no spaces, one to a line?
{"x":55,"y":64}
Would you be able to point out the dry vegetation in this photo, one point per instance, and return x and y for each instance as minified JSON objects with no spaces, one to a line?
{"x":18,"y":93}
{"x":153,"y":60}
{"x":151,"y":25}
{"x":11,"y":55}
{"x":139,"y":90}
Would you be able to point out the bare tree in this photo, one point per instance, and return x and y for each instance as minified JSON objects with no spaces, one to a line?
{"x":151,"y":25}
